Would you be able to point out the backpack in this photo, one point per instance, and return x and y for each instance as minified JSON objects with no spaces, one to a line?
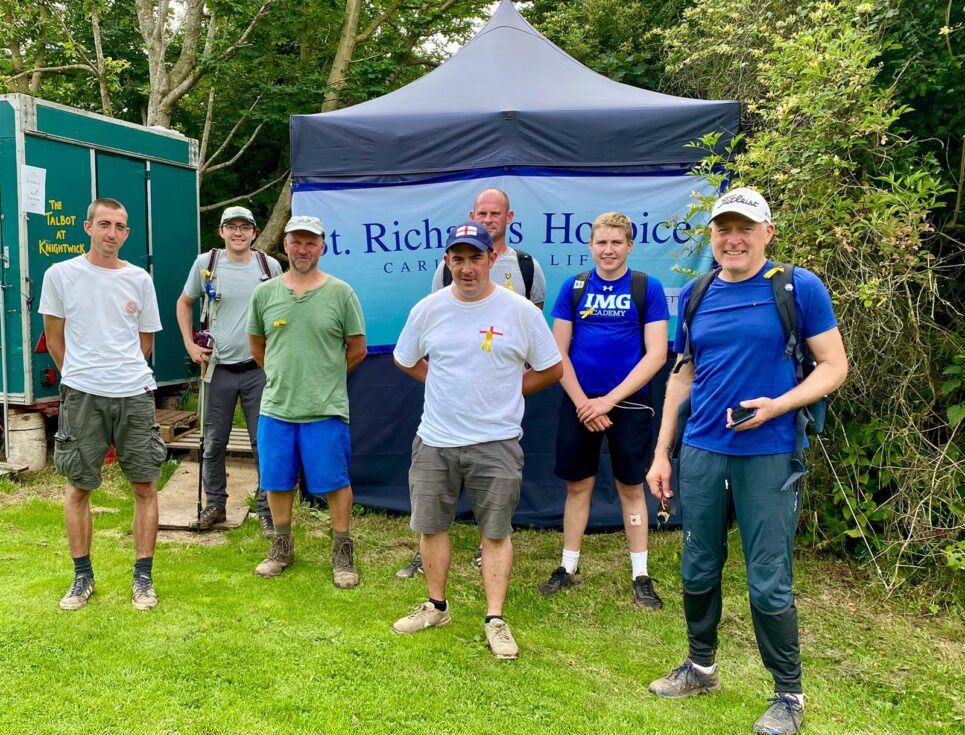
{"x":638,"y":290}
{"x":810,"y":419}
{"x":526,"y":268}
{"x":208,"y":292}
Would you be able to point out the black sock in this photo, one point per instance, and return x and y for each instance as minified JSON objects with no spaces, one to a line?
{"x":142,"y":567}
{"x":83,"y":567}
{"x":440,"y":605}
{"x":490,"y":618}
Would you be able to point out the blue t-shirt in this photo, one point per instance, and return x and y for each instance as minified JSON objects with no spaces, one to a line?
{"x":739,"y":345}
{"x":606,"y":342}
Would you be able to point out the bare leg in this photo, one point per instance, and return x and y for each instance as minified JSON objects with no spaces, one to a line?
{"x":436,"y":556}
{"x":340,"y":508}
{"x":497,"y":567}
{"x":77,"y":520}
{"x":636,"y":523}
{"x":145,"y":518}
{"x":280,"y":503}
{"x":576,"y":512}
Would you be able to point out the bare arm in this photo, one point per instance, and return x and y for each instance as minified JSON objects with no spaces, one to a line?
{"x":56,"y":343}
{"x":147,"y":343}
{"x":355,"y":351}
{"x":185,"y":319}
{"x":678,"y":390}
{"x":256,"y":343}
{"x":535,"y":380}
{"x":419,"y":371}
{"x":655,"y":341}
{"x":829,"y":374}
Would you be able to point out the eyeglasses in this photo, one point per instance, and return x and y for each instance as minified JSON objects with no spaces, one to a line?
{"x":239,"y":228}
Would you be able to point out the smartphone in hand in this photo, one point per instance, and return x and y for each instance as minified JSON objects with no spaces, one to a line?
{"x":741,"y":415}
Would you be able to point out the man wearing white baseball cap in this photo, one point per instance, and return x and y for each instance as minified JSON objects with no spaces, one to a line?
{"x":224,"y":279}
{"x":749,"y":334}
{"x":306,"y":329}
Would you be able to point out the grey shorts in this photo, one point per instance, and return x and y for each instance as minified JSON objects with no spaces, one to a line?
{"x":491,"y":473}
{"x":89,"y":424}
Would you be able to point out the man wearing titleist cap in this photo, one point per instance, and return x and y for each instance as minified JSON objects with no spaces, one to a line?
{"x":742,"y":444}
{"x":225,"y":279}
{"x":306,"y":329}
{"x":478,"y":339}
{"x":514,"y":269}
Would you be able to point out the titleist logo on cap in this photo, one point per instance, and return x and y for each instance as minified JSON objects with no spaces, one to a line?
{"x":738,"y":199}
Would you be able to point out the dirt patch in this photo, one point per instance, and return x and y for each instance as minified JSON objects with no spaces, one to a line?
{"x":209,"y":538}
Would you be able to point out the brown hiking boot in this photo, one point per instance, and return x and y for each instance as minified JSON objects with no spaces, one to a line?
{"x":208,"y":518}
{"x":344,"y":572}
{"x":281,"y":555}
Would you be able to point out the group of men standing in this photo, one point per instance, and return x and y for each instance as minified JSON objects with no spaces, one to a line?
{"x":283,"y":343}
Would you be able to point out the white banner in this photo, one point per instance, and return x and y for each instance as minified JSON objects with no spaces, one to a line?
{"x":386,"y":241}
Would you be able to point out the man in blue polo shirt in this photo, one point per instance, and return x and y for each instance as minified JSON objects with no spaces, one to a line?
{"x":740,"y":363}
{"x":610,"y":353}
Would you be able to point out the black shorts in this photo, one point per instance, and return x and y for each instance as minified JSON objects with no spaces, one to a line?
{"x":578,"y":448}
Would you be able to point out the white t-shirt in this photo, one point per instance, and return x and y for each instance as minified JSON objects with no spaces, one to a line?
{"x":105,"y":310}
{"x":477,"y":353}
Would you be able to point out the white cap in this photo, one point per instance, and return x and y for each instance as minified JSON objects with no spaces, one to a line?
{"x":304,"y":222}
{"x":745,"y":202}
{"x":238,"y":213}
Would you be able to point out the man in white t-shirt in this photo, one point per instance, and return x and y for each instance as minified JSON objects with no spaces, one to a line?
{"x":100,"y":316}
{"x":478,"y":339}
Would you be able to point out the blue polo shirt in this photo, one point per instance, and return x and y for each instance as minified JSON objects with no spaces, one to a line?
{"x":606,"y":342}
{"x":739,"y":346}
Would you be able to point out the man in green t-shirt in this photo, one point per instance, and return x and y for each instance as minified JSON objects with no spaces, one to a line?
{"x":306,"y":329}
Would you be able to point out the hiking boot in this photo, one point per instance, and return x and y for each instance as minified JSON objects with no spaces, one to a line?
{"x":560,"y":579}
{"x":500,"y":640}
{"x":143,"y":596}
{"x":783,"y":717}
{"x":281,"y":555}
{"x":685,"y":681}
{"x":644,"y":595}
{"x":209,"y":516}
{"x":79,"y":593}
{"x":422,"y":616}
{"x":344,"y":573}
{"x":477,"y":558}
{"x":411,"y":569}
{"x":267,"y":526}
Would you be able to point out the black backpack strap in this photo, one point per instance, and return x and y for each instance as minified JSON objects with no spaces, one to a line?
{"x":579,"y":288}
{"x":638,"y":289}
{"x":263,"y":262}
{"x":528,"y":270}
{"x":212,"y":264}
{"x":781,"y":277}
{"x":696,"y":296}
{"x":446,"y":275}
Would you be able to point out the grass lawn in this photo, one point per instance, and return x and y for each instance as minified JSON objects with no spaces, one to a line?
{"x":227,"y":652}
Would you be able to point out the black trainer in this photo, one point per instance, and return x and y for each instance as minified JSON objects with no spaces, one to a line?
{"x":644,"y":595}
{"x":477,"y":558}
{"x":560,"y":579}
{"x":411,"y":569}
{"x":267,"y":526}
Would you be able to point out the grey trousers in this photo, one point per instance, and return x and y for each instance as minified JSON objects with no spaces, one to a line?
{"x":220,"y":397}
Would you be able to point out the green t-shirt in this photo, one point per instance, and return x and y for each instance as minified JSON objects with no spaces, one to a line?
{"x":305,"y":348}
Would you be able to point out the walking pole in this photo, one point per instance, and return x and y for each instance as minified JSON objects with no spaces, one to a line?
{"x":201,"y":381}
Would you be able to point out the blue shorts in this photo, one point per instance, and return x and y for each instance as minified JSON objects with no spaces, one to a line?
{"x":323,"y":448}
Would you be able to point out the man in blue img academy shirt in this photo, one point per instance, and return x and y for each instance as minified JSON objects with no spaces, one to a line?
{"x":610,"y":353}
{"x":739,"y":362}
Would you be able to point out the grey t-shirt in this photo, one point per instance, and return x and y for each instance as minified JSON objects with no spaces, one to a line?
{"x":506,"y":273}
{"x":228,"y":320}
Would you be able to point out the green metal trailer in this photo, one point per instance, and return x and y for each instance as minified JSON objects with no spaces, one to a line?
{"x":55,"y":160}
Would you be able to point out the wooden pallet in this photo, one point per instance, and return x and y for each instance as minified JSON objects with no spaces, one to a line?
{"x":238,"y":442}
{"x":175,"y":424}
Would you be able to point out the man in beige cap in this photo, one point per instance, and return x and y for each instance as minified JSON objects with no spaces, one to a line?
{"x":224,"y":278}
{"x":306,"y":329}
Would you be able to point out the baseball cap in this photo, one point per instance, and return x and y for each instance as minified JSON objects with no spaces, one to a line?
{"x":238,"y":213}
{"x":306,"y":223}
{"x":745,"y":202}
{"x":470,"y":233}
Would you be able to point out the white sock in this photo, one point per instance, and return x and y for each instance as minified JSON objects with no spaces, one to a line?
{"x":571,"y":559}
{"x":798,"y":697}
{"x":704,"y":669}
{"x":638,"y":564}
